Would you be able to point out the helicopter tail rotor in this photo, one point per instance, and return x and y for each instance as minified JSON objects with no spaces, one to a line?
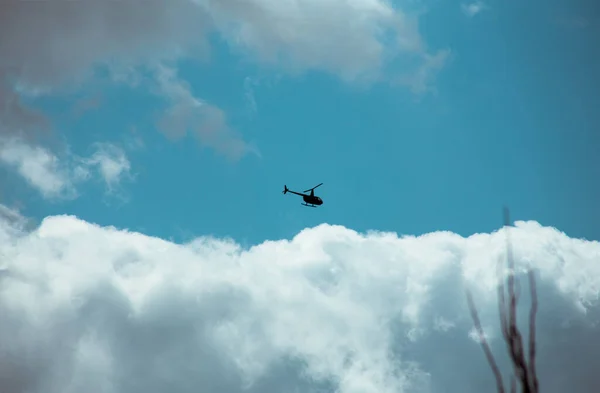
{"x":285,"y":189}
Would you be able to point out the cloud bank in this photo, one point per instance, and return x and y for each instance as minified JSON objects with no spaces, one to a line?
{"x":98,"y":309}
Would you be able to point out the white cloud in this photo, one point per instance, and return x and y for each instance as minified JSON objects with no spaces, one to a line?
{"x":472,"y":9}
{"x":352,"y":39}
{"x":39,"y":167}
{"x":57,"y":177}
{"x":112,"y":164}
{"x":12,"y":222}
{"x":330,"y":310}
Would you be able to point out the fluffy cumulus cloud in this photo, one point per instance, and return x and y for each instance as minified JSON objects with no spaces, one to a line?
{"x":54,"y":45}
{"x":57,"y":176}
{"x":97,"y":309}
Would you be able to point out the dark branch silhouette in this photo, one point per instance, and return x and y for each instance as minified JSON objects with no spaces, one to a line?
{"x":524,"y":370}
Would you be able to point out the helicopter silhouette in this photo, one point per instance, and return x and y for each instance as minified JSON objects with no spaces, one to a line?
{"x":310,"y":200}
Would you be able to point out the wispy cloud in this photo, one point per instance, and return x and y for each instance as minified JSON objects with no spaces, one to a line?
{"x":55,"y":176}
{"x":187,"y":113}
{"x":419,"y":80}
{"x":40,"y":168}
{"x":249,"y":85}
{"x":111,"y":163}
{"x":472,"y":9}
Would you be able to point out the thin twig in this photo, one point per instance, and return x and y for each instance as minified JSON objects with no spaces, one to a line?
{"x":485,"y":345}
{"x":532,"y":347}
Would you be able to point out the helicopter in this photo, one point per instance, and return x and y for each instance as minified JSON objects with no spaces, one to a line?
{"x":310,"y":200}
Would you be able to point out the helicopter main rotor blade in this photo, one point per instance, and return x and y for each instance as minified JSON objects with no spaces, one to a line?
{"x":310,"y":189}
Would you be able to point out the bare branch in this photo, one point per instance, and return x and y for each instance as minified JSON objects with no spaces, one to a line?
{"x":485,"y":345}
{"x":524,"y":373}
{"x":513,"y":384}
{"x":532,"y":346}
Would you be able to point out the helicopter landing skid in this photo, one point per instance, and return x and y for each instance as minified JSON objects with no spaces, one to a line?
{"x":306,"y":204}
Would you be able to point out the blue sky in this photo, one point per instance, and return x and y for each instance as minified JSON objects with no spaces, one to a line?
{"x":149,"y":143}
{"x":510,"y":120}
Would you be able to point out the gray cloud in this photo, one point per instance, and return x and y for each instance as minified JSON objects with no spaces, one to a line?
{"x":53,"y":45}
{"x":103,"y":310}
{"x":189,"y":114}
